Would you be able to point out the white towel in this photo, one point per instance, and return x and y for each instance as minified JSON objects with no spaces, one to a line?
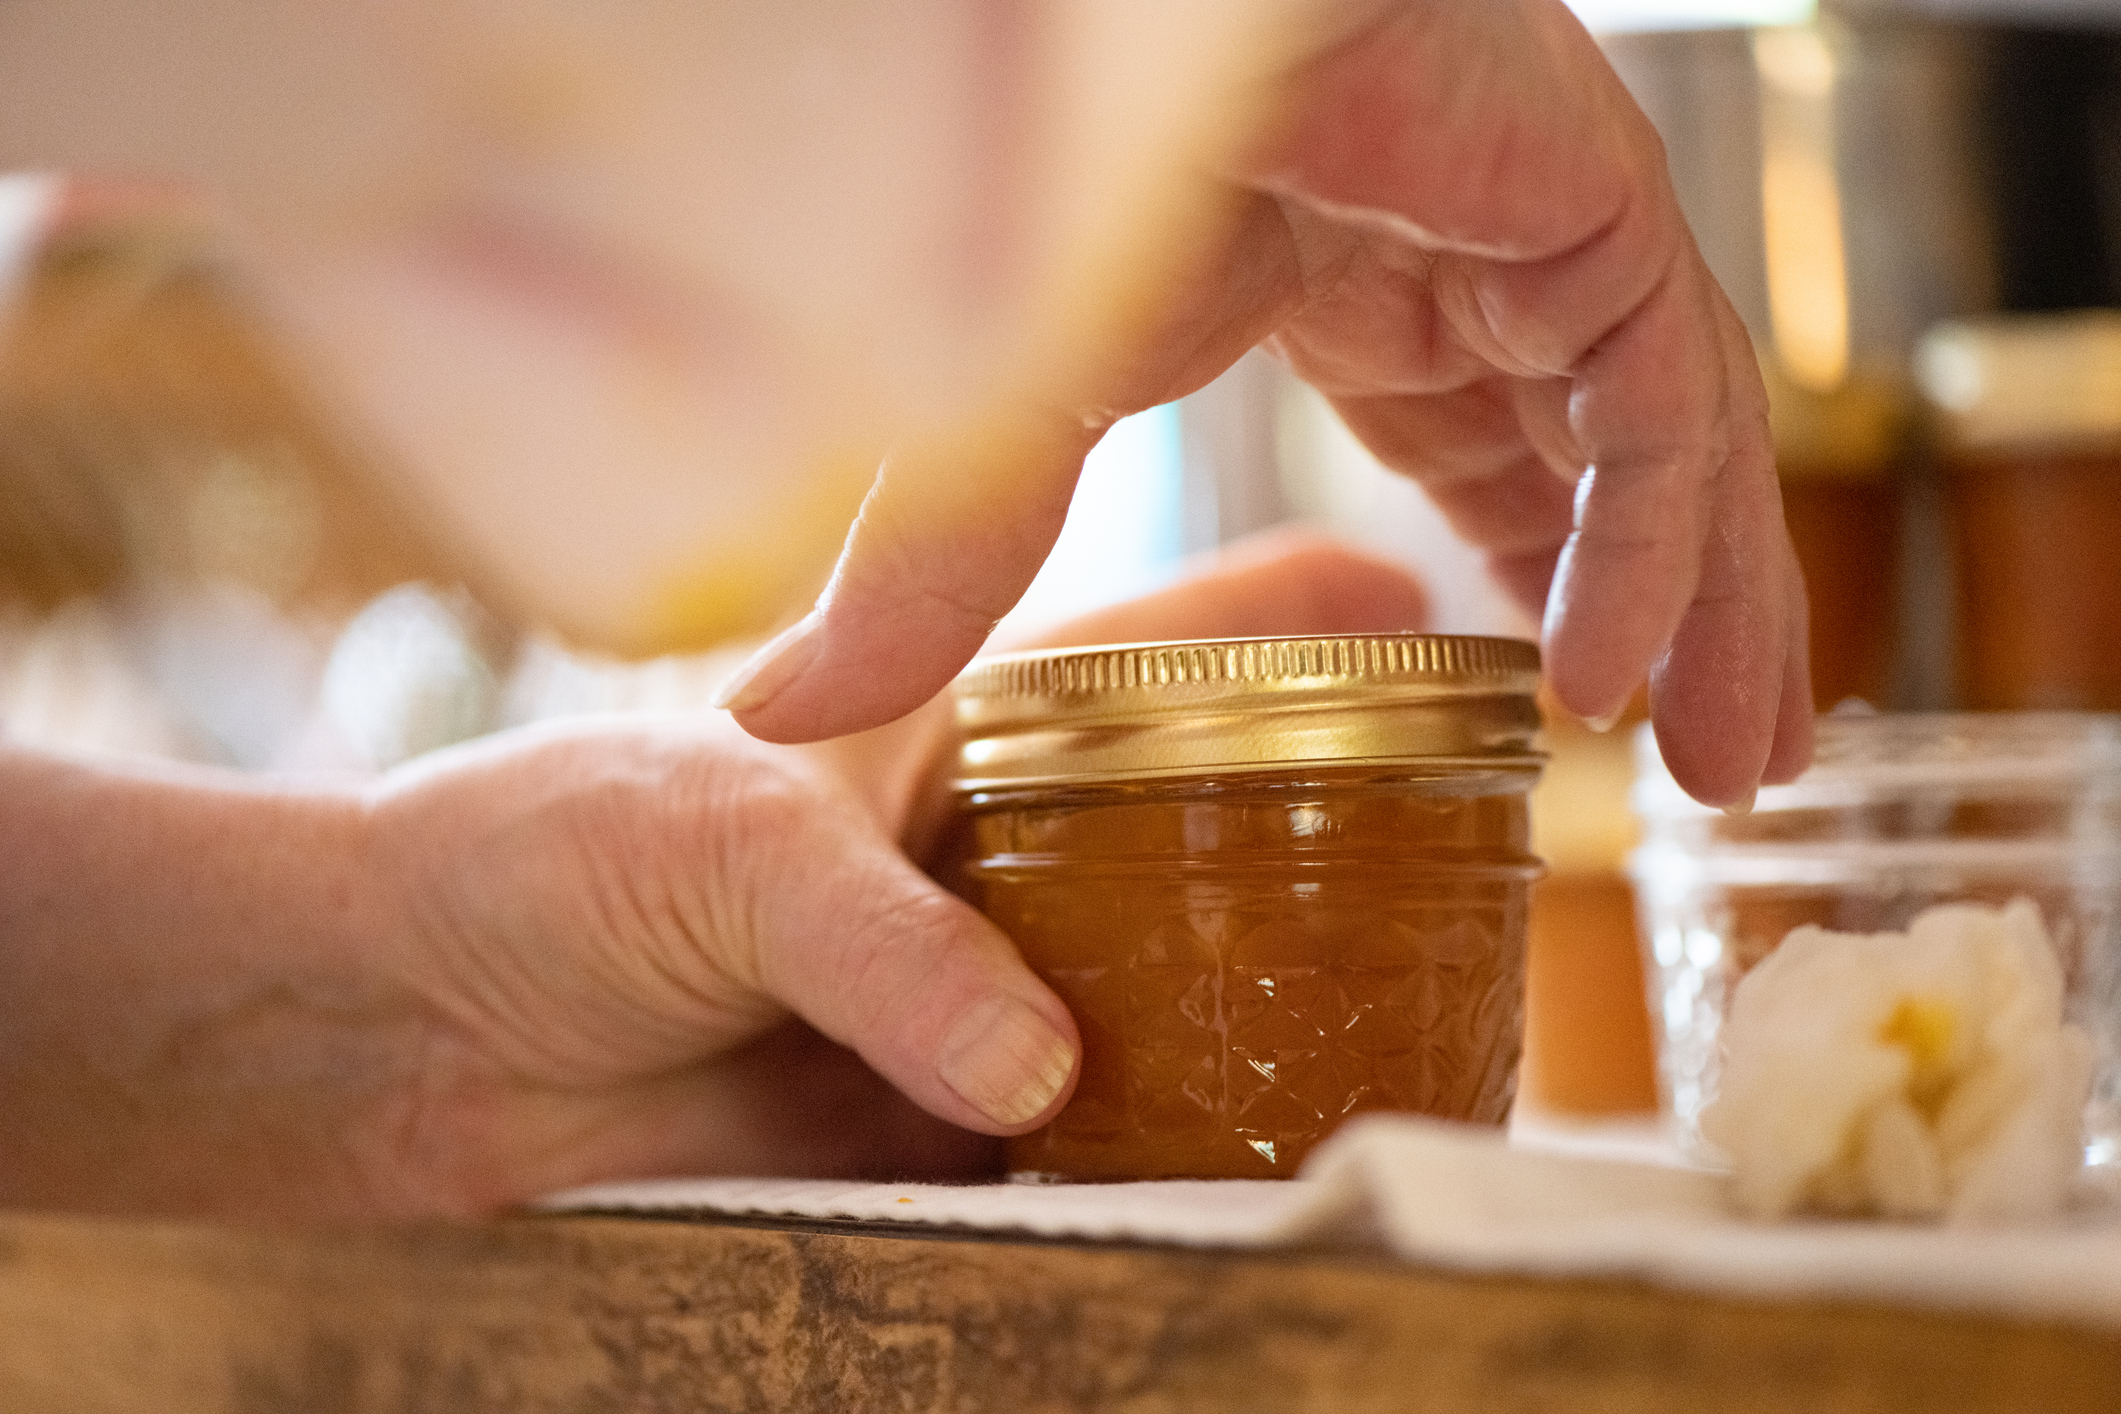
{"x":1464,"y":1198}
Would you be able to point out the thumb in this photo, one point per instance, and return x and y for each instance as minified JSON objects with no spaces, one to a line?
{"x":948,"y":540}
{"x":878,"y":957}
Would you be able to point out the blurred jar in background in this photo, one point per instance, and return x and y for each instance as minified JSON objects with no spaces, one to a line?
{"x":2028,"y":414}
{"x":1841,"y":459}
{"x":152,"y":434}
{"x":1587,"y":1048}
{"x":182,"y":537}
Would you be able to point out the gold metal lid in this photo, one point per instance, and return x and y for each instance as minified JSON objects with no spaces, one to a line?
{"x":1145,"y":710}
{"x":2025,"y":381}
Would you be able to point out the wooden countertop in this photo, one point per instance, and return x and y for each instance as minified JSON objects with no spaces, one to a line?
{"x":597,"y":1314}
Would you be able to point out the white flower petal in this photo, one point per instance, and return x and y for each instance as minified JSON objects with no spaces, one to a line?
{"x":1903,"y":1174}
{"x":1915,"y":1075}
{"x":2026,"y":1170}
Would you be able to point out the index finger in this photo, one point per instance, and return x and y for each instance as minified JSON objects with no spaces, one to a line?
{"x":955,"y":530}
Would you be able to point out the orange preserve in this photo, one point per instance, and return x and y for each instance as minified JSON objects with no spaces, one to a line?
{"x":1278,"y":882}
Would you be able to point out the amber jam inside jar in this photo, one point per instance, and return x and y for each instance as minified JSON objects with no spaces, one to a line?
{"x":1278,"y":883}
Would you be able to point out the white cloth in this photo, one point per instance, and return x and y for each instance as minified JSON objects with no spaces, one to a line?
{"x":1450,"y":1196}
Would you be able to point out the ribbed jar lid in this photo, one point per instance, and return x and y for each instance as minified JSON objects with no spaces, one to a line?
{"x":1144,"y":710}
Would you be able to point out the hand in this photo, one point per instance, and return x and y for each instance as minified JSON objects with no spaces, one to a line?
{"x":1462,"y":232}
{"x":587,"y":951}
{"x":677,"y":950}
{"x":681,"y":950}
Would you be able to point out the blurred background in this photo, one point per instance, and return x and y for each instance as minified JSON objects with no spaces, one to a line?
{"x":1914,"y":204}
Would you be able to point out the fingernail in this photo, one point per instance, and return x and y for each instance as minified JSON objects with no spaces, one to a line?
{"x":1744,"y":805}
{"x":1004,"y":1060}
{"x":770,"y":669}
{"x":1606,"y":723}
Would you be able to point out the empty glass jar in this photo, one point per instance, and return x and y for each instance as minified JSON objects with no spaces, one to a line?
{"x":1899,"y":812}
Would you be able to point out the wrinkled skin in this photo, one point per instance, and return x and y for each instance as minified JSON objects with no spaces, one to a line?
{"x":599,"y":949}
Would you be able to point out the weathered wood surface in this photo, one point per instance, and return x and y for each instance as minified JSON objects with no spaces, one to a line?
{"x":599,"y":1314}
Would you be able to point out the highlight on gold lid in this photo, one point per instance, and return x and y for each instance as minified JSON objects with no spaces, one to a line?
{"x":1145,"y":710}
{"x":2007,"y":381}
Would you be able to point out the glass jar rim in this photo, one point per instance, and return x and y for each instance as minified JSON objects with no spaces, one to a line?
{"x":1866,"y":754}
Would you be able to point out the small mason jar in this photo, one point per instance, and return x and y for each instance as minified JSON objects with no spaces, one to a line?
{"x":1898,"y":812}
{"x":1277,"y":882}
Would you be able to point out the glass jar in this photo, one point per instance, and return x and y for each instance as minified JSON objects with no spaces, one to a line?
{"x":2027,"y":410}
{"x":1277,"y":882}
{"x":1899,"y":812}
